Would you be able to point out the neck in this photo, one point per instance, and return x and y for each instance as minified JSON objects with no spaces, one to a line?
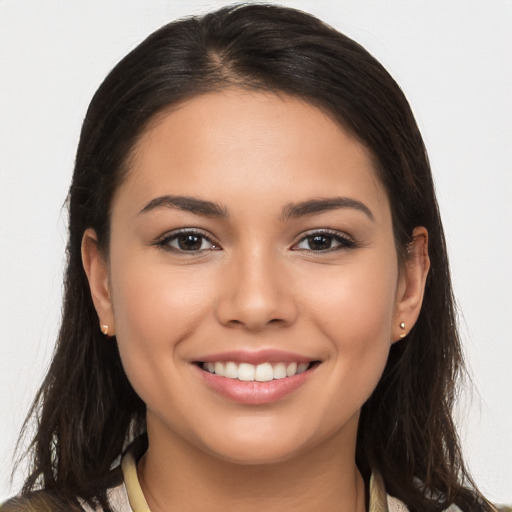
{"x":175,"y":475}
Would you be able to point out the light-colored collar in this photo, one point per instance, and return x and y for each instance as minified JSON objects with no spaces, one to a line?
{"x":378,"y":496}
{"x":138,"y":503}
{"x":380,"y":501}
{"x":136,"y":497}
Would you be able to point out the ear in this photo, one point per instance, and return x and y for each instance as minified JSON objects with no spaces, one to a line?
{"x":96,"y":269}
{"x":411,"y":285}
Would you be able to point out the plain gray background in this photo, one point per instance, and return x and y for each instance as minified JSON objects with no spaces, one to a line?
{"x":453,"y":58}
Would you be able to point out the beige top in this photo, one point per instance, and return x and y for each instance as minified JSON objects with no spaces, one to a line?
{"x":128,"y":496}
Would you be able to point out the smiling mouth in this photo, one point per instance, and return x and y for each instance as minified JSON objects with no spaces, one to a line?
{"x":263,"y":372}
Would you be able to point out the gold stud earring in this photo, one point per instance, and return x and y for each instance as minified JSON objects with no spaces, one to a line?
{"x":402,"y":326}
{"x":104,"y":329}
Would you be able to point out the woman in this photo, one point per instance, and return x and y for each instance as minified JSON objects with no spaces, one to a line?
{"x":258,"y":307}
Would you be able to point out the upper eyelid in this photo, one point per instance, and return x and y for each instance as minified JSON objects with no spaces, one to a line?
{"x":305,"y":234}
{"x":341,"y":236}
{"x":176,"y":232}
{"x":323,"y":231}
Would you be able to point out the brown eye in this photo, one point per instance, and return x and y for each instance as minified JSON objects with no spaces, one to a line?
{"x":323,"y":241}
{"x":187,"y":241}
{"x":319,"y":242}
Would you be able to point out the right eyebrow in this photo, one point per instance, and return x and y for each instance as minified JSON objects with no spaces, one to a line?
{"x":294,"y":210}
{"x":188,"y":204}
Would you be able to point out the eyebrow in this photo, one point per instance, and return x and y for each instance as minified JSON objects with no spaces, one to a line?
{"x":290,"y":211}
{"x":188,"y":204}
{"x":294,"y":210}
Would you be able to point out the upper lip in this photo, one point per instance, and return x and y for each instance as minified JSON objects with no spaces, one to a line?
{"x":256,"y":357}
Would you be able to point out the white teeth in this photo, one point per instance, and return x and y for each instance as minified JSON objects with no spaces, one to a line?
{"x":279,"y":371}
{"x":264,"y":372}
{"x":219,"y":369}
{"x":302,"y":367}
{"x":231,"y":370}
{"x":246,"y":372}
{"x":291,"y":369}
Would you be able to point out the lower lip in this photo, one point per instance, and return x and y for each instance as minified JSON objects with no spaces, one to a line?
{"x":255,"y":393}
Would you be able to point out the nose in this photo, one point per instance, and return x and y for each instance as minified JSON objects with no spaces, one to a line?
{"x":255,"y":293}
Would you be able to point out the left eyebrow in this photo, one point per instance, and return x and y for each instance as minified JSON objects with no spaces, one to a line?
{"x":188,"y":204}
{"x":294,"y":210}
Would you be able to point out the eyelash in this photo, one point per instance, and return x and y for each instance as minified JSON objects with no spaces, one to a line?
{"x":343,"y":240}
{"x":165,"y":242}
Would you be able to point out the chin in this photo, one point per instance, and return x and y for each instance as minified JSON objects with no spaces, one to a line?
{"x":257,"y":453}
{"x":272,"y":442}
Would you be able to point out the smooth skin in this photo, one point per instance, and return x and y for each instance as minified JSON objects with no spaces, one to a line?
{"x":256,"y":272}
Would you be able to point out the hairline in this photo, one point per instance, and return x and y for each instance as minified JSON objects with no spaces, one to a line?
{"x":261,"y":87}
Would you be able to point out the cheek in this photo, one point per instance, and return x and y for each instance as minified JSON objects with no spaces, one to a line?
{"x":357,"y":299}
{"x":354,"y":308}
{"x":155,"y":309}
{"x":155,"y":300}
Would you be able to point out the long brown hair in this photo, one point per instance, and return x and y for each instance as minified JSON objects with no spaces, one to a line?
{"x":87,"y":411}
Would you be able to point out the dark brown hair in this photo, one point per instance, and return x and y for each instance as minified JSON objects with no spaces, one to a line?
{"x":86,"y":410}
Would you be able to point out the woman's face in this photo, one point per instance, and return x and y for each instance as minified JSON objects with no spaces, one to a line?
{"x":253,"y":239}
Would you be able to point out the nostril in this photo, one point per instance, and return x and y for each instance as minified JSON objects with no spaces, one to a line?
{"x":255,"y":299}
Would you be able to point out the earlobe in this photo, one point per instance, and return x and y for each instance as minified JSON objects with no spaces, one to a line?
{"x":96,"y":269}
{"x":411,"y":287}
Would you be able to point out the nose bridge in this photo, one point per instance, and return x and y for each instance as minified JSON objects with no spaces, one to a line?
{"x":254,"y":290}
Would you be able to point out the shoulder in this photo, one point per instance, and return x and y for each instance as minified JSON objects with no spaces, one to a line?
{"x":40,"y":501}
{"x":117,"y":499}
{"x":395,"y":505}
{"x":43,"y":501}
{"x":107,"y":493}
{"x":381,"y":501}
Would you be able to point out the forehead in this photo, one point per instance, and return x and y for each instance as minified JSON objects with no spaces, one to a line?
{"x":252,"y":144}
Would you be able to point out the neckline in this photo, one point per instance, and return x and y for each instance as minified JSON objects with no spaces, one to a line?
{"x":377,"y":491}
